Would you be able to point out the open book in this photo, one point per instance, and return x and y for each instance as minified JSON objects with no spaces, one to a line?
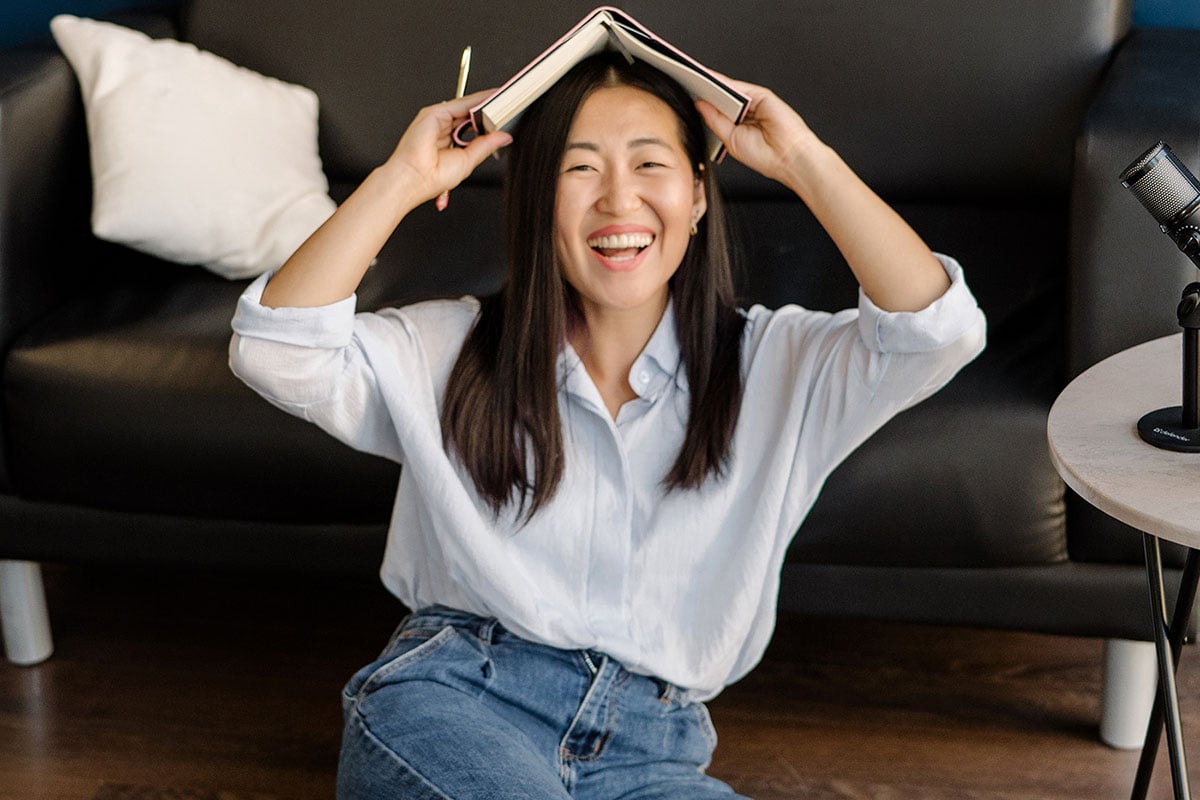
{"x":605,"y":28}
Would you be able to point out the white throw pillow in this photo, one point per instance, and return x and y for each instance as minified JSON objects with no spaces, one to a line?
{"x":194,"y":159}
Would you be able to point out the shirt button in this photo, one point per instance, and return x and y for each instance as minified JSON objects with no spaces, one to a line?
{"x":643,"y":377}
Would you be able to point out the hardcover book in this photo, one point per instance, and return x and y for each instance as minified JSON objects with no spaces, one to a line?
{"x":606,"y":28}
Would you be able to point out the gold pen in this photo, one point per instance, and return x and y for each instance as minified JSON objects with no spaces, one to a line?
{"x":464,"y":67}
{"x":460,"y":89}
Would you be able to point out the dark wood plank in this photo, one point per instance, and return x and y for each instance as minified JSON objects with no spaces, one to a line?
{"x":185,"y":685}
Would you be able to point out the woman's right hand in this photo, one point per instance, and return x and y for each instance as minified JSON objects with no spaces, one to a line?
{"x":427,"y":157}
{"x":330,"y":264}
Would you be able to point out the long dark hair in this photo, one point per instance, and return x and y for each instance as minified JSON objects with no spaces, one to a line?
{"x":501,"y":410}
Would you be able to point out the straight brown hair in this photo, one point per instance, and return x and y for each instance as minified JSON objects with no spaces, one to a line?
{"x":500,"y":414}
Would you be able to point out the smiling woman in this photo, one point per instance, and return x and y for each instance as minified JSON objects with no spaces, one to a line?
{"x":603,"y":462}
{"x":624,"y":148}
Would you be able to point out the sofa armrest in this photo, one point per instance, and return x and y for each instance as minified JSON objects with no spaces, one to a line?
{"x":45,"y":178}
{"x":1125,"y":275}
{"x":46,"y":246}
{"x":44,"y":182}
{"x":44,"y":187}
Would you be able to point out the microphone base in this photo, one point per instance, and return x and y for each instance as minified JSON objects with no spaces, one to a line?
{"x":1164,"y":429}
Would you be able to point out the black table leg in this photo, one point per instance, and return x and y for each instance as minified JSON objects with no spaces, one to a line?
{"x":1168,"y":642}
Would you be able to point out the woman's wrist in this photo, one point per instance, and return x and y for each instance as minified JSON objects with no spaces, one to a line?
{"x":810,"y":164}
{"x":396,"y":186}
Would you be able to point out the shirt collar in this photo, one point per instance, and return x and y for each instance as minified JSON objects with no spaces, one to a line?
{"x":658,"y":363}
{"x":659,"y":360}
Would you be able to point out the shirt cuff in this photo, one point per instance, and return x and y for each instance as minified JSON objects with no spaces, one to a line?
{"x":329,"y":326}
{"x":941,"y":322}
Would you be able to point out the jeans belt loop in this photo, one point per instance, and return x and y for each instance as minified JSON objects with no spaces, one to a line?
{"x":487,"y":630}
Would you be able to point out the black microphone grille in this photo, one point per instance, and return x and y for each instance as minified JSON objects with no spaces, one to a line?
{"x":1162,"y":184}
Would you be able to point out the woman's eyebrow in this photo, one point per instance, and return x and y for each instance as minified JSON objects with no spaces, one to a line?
{"x":589,"y":146}
{"x":648,"y":140}
{"x":632,"y":144}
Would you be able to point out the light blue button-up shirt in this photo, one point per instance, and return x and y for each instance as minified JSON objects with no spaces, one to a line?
{"x":681,"y":585}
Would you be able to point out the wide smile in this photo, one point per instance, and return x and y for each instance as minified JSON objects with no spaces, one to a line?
{"x":620,"y":251}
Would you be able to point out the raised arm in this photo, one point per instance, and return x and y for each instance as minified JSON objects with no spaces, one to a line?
{"x":330,"y":264}
{"x":893,"y":265}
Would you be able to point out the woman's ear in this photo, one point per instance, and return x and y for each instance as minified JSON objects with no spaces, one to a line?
{"x":699,"y":197}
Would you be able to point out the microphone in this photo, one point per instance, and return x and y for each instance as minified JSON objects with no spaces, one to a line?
{"x":1161,"y":183}
{"x":1171,"y":194}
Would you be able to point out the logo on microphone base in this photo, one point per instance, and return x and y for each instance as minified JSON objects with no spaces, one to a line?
{"x":1172,"y":434}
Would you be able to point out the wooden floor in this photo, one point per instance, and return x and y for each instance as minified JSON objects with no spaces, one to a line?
{"x":175,"y":685}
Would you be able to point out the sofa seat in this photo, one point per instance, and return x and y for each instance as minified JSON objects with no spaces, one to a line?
{"x":153,"y":365}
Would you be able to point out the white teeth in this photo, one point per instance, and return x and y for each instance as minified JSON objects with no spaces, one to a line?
{"x":621,"y":241}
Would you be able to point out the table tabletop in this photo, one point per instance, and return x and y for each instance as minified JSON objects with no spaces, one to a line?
{"x":1094,"y":443}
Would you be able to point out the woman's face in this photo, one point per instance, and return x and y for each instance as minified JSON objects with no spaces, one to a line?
{"x":626,"y":199}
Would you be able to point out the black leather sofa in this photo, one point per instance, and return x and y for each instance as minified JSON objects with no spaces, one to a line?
{"x":997,"y":128}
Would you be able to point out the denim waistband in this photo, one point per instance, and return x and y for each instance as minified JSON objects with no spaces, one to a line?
{"x":489,"y":629}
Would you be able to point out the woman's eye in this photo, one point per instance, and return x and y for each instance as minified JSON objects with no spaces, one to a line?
{"x":579,"y":168}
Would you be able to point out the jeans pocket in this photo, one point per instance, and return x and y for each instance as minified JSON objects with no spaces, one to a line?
{"x":408,"y":646}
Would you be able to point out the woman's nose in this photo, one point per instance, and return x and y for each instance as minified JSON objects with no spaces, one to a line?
{"x":619,"y":195}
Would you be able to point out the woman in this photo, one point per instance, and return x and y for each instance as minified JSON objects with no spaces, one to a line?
{"x":603,"y":464}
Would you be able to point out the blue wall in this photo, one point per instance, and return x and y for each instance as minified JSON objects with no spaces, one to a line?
{"x":21,"y":20}
{"x":1167,"y":13}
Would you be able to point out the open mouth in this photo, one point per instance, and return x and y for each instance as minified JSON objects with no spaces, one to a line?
{"x":621,"y":246}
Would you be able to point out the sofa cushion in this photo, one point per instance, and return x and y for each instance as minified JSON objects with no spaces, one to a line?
{"x":195,"y":159}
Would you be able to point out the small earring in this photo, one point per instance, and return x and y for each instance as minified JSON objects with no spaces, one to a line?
{"x":695,"y":221}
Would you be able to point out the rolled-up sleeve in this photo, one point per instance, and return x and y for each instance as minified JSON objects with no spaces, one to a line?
{"x":328,"y":326}
{"x":309,"y":362}
{"x":944,"y":321}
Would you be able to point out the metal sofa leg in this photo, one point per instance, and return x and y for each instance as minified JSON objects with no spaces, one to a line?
{"x":1130,"y":681}
{"x":23,"y":615}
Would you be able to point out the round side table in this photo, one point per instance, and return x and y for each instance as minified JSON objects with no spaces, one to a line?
{"x":1094,"y":444}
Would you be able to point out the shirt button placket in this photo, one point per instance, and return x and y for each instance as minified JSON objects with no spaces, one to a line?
{"x":611,"y":545}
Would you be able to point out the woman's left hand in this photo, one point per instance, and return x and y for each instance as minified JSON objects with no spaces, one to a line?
{"x":893,"y":265}
{"x":771,"y":136}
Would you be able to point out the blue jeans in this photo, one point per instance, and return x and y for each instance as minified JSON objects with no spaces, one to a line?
{"x":458,"y":707}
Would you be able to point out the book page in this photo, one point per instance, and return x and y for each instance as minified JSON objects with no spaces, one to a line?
{"x":698,"y":84}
